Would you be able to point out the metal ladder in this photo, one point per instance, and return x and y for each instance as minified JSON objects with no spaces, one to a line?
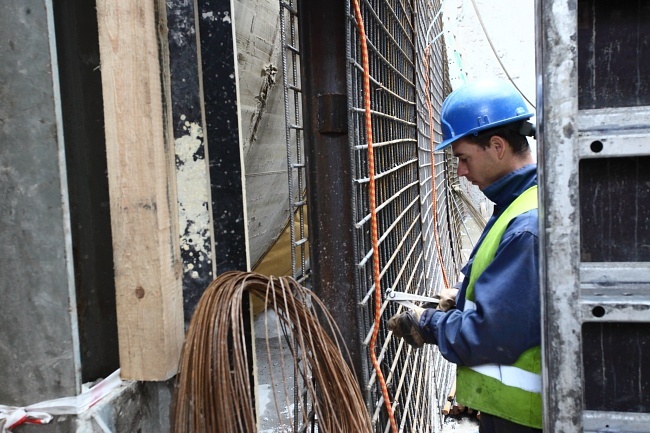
{"x":594,"y":162}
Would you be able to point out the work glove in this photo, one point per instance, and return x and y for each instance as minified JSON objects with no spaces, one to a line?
{"x":447,"y":299}
{"x":406,"y":325}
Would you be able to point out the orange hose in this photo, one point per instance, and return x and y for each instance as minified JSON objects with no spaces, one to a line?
{"x":434,"y":198}
{"x":373,"y":215}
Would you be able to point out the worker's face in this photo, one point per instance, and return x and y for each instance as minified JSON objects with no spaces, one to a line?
{"x":480,"y":166}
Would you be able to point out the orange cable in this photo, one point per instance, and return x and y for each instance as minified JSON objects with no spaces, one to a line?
{"x":373,"y":214}
{"x":434,"y":198}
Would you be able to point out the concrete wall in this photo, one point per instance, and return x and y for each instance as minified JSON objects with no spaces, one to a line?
{"x":510,"y":26}
{"x":261,"y":106}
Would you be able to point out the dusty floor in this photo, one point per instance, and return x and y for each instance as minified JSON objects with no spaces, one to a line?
{"x":460,"y":425}
{"x":281,"y":363}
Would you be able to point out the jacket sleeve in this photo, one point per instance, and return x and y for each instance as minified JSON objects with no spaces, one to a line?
{"x":506,"y":321}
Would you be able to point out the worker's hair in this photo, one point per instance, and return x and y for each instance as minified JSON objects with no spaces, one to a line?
{"x":511,"y":132}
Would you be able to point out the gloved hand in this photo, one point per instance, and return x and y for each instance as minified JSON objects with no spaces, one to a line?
{"x":406,"y":325}
{"x":447,"y":299}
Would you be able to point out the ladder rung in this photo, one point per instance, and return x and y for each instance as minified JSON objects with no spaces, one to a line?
{"x":292,"y":48}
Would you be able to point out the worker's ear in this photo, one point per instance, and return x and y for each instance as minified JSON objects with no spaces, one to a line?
{"x":499,"y":144}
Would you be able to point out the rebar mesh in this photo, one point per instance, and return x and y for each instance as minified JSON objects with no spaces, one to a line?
{"x":294,"y":138}
{"x":398,"y":33}
{"x":418,"y":380}
{"x":303,"y":406}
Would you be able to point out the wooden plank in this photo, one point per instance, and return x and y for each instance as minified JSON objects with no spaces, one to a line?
{"x":144,"y":215}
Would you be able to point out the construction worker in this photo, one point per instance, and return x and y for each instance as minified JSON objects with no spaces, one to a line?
{"x":493,"y":333}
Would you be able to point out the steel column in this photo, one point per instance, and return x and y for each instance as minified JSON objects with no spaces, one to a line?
{"x":557,"y":107}
{"x":328,"y":156}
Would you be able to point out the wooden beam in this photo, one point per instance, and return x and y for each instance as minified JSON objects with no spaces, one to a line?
{"x":144,"y":214}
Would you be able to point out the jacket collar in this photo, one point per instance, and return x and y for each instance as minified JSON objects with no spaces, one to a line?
{"x":505,"y":190}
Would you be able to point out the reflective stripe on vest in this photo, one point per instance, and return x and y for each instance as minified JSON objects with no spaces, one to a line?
{"x":512,"y":376}
{"x":512,"y":392}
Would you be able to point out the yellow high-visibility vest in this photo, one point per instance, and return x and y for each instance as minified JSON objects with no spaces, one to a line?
{"x":512,"y":392}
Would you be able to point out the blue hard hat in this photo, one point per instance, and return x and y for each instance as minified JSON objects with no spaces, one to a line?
{"x":478,"y":106}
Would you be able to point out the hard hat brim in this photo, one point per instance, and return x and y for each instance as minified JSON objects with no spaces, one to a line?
{"x":448,"y":142}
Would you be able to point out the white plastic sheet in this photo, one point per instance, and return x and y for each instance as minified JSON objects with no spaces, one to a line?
{"x":43,"y":412}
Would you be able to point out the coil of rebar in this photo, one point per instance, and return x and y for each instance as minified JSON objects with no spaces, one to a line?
{"x":213,"y":391}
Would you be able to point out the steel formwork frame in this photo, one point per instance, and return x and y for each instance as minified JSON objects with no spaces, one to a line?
{"x":592,"y":138}
{"x":559,"y":262}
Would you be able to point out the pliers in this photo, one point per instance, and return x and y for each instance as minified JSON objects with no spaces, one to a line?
{"x":407,"y":298}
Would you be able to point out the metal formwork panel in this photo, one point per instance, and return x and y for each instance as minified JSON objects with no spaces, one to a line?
{"x":40,"y":353}
{"x":593,"y":132}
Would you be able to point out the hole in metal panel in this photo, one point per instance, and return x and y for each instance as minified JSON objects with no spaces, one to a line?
{"x":596,"y":146}
{"x":598,"y":311}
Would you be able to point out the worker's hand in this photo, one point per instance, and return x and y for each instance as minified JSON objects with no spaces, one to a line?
{"x":406,"y":325}
{"x":447,"y":299}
